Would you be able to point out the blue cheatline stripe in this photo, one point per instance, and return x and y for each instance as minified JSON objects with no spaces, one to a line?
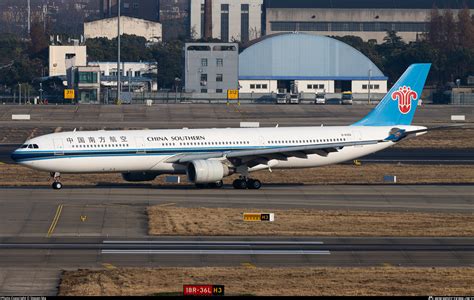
{"x":31,"y":155}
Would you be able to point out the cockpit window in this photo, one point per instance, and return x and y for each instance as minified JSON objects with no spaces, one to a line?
{"x":30,"y":146}
{"x":24,"y":146}
{"x":35,"y":146}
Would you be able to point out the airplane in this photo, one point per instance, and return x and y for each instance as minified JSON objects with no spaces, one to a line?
{"x":206,"y":156}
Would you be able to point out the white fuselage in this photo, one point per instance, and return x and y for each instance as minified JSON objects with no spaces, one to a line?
{"x":149,"y":150}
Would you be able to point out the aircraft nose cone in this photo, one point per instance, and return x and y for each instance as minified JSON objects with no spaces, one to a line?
{"x":15,"y":156}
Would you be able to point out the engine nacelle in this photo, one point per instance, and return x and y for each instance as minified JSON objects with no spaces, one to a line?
{"x":139,"y":176}
{"x":206,"y":171}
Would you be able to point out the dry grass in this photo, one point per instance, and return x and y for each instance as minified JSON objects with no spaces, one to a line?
{"x":16,"y":175}
{"x":456,"y":138}
{"x":306,"y":222}
{"x":374,"y":281}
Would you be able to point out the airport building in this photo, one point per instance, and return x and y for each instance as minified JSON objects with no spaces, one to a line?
{"x":107,"y":28}
{"x":211,"y":67}
{"x":63,"y":57}
{"x":369,"y":19}
{"x":311,"y":63}
{"x":136,"y":76}
{"x":227,"y":20}
{"x":86,"y":83}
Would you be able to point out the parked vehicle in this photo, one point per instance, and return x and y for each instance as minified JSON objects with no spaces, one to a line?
{"x":282,"y":98}
{"x":346,"y":98}
{"x":294,"y":99}
{"x":320,"y":98}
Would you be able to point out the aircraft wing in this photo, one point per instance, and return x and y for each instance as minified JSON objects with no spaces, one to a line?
{"x":256,"y":156}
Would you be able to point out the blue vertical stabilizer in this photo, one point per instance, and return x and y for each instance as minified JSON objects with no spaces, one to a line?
{"x":399,"y":104}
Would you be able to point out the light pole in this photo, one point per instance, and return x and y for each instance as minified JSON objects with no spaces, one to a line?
{"x":41,"y":92}
{"x":118,"y":52}
{"x":19,"y":93}
{"x":176,"y":82}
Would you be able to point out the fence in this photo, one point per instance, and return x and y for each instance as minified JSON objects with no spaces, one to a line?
{"x":462,"y":99}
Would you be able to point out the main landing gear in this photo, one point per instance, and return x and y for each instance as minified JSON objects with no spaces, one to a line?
{"x":247,"y":183}
{"x":57,"y":185}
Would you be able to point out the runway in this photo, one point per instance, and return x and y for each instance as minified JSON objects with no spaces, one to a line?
{"x":264,"y":251}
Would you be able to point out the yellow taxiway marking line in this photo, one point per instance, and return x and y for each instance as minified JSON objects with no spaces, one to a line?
{"x":248,"y":265}
{"x":109,"y":266}
{"x":166,"y":204}
{"x":55,"y":220}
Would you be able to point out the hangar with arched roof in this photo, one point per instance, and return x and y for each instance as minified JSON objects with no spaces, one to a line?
{"x":307,"y":63}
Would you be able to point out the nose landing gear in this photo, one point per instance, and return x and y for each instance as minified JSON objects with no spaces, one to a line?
{"x":57,"y":185}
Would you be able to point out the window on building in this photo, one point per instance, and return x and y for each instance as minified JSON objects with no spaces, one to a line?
{"x":203,"y":62}
{"x":244,"y":22}
{"x":203,"y":19}
{"x":259,"y":86}
{"x":219,"y":77}
{"x":321,"y":86}
{"x":126,"y":5}
{"x":203,"y":79}
{"x":309,"y":86}
{"x":220,"y":62}
{"x":70,"y":55}
{"x":87,"y":77}
{"x":225,"y":22}
{"x":219,"y":91}
{"x":364,"y":86}
{"x":252,"y":86}
{"x":264,"y":86}
{"x":349,"y":26}
{"x":377,"y":86}
{"x":138,"y":74}
{"x":203,"y":90}
{"x":135,"y":5}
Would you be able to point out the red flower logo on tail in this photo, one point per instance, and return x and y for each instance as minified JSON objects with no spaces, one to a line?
{"x":405,"y":95}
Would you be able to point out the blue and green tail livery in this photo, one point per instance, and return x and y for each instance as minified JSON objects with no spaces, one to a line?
{"x":399,"y":104}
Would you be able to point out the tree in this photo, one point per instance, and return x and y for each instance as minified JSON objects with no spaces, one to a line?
{"x":465,"y":30}
{"x":435,"y":28}
{"x":133,"y":48}
{"x":39,"y":38}
{"x":393,"y":40}
{"x":169,"y":56}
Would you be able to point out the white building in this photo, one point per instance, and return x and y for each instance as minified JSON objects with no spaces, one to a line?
{"x":62,"y":58}
{"x":107,"y":28}
{"x":136,"y":74}
{"x":232,"y":20}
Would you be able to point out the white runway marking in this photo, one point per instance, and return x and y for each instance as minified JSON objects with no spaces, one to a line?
{"x":220,"y":252}
{"x":219,"y":242}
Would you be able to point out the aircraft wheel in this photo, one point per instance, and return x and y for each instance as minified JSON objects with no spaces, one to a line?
{"x":57,"y":185}
{"x":240,"y":184}
{"x":254,"y":184}
{"x":218,"y":184}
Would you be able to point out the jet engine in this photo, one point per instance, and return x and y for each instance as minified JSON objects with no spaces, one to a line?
{"x":139,"y":176}
{"x":206,"y":171}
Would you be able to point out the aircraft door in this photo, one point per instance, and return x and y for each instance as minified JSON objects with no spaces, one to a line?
{"x":140,"y":144}
{"x":58,"y":147}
